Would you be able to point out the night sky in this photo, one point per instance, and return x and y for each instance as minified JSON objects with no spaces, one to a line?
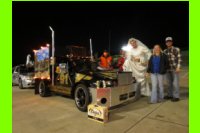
{"x":75,"y":22}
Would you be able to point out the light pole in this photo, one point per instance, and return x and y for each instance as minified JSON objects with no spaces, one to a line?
{"x":53,"y":52}
{"x":91,"y":51}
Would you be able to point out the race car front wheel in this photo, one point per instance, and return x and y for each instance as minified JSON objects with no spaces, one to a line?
{"x":82,"y":97}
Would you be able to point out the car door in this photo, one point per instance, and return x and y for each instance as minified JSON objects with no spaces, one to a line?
{"x":62,"y":77}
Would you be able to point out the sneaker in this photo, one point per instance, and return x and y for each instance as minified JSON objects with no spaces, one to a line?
{"x":175,"y":99}
{"x":168,"y":97}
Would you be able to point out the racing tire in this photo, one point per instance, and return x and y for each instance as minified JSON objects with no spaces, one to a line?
{"x":21,"y":84}
{"x":43,"y":89}
{"x":82,"y":97}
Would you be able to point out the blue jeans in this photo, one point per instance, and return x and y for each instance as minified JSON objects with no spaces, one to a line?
{"x":173,"y":82}
{"x":157,"y":95}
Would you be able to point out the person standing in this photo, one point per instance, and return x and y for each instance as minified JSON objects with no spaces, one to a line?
{"x":138,"y":55}
{"x":157,"y":66}
{"x":174,"y":57}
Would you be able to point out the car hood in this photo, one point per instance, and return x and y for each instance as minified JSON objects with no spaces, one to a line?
{"x":105,"y":75}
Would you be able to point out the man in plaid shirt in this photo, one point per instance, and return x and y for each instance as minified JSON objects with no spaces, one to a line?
{"x":172,"y":75}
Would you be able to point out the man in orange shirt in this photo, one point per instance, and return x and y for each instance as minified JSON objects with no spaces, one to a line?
{"x":105,"y":61}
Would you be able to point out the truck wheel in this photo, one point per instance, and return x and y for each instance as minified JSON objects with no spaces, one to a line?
{"x":43,"y":90}
{"x":21,"y":84}
{"x":82,"y":97}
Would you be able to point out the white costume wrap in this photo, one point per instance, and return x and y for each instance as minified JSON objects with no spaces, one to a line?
{"x":138,"y":68}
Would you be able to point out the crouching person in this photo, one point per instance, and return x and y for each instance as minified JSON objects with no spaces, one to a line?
{"x":157,"y":67}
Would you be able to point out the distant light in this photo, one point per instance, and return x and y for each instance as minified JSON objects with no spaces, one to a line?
{"x":48,"y":45}
{"x":43,"y":47}
{"x":34,"y":51}
{"x":126,"y":48}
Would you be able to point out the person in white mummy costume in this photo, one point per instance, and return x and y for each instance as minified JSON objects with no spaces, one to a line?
{"x":137,"y":56}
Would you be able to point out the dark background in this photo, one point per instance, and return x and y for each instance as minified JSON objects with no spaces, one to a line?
{"x":75,"y":22}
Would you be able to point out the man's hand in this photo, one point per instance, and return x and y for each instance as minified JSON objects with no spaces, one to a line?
{"x":136,"y":59}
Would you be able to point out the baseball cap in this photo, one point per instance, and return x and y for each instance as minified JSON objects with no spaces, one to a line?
{"x":169,"y":39}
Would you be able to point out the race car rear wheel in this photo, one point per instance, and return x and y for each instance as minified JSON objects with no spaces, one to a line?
{"x":81,"y":96}
{"x":21,"y":84}
{"x":43,"y":90}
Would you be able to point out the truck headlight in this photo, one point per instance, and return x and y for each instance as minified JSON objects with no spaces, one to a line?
{"x":109,"y":83}
{"x":104,"y":84}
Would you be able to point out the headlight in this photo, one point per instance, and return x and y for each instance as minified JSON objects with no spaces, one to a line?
{"x":109,"y":83}
{"x":103,"y":84}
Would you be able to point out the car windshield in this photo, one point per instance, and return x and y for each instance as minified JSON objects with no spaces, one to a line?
{"x":26,"y":70}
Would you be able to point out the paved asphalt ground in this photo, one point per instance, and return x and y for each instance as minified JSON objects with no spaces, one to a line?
{"x":57,"y":114}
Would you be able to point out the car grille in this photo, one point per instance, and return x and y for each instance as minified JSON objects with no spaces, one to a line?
{"x":125,"y":78}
